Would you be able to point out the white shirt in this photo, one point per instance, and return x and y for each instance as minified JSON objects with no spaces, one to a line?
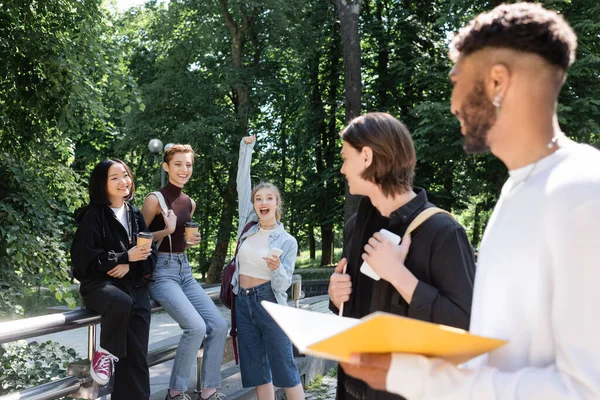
{"x":536,"y":286}
{"x":121,"y":214}
{"x":251,"y":254}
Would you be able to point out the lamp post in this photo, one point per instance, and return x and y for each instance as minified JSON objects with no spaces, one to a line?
{"x":163,"y":174}
{"x":156,"y":147}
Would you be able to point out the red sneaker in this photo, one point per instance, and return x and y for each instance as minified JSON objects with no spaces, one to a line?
{"x":102,"y":366}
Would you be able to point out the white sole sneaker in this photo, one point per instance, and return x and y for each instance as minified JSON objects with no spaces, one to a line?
{"x":98,"y":379}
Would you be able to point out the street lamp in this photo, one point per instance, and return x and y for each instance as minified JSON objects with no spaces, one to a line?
{"x":155,"y":146}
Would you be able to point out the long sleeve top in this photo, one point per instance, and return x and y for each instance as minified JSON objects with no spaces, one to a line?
{"x":440,"y":257}
{"x":536,"y":286}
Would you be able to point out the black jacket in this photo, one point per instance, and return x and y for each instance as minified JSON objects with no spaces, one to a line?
{"x":440,"y":257}
{"x":101,"y":243}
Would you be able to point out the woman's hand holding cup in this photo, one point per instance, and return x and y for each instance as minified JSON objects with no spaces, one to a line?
{"x":139,"y":253}
{"x":192,"y":236}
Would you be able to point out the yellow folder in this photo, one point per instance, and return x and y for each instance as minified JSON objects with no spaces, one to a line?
{"x":336,"y":338}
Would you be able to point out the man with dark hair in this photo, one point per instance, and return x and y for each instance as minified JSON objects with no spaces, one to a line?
{"x":434,"y":283}
{"x":537,"y":274}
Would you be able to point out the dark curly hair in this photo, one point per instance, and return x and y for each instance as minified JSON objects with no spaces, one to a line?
{"x":526,"y":27}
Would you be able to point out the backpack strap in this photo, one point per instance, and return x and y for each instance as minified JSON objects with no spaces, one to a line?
{"x":424,"y":216}
{"x":163,"y":206}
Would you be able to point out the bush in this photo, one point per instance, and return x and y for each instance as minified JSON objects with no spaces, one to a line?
{"x":23,"y":365}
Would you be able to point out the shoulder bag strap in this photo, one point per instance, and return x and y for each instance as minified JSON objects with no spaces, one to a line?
{"x":246,"y":229}
{"x":424,"y":216}
{"x":163,"y":206}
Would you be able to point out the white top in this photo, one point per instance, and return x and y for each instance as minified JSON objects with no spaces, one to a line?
{"x":121,"y":214}
{"x":251,"y":254}
{"x":536,"y":286}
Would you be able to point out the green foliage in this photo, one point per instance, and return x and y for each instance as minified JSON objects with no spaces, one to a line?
{"x":23,"y":365}
{"x":79,"y":84}
{"x":62,"y":89}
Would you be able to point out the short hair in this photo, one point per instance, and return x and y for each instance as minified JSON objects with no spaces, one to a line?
{"x":275,"y":189}
{"x":526,"y":27}
{"x":394,"y":157}
{"x":178,"y":148}
{"x":99,"y":181}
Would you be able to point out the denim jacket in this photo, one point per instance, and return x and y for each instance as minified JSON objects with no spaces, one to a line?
{"x":281,"y":278}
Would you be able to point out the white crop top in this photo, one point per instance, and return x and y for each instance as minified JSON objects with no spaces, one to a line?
{"x":251,"y":253}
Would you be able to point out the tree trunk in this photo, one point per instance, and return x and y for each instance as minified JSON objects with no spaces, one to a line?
{"x":476,"y":226}
{"x":241,"y":102}
{"x":329,"y":153}
{"x":224,"y":234}
{"x":326,"y":244}
{"x":312,"y":245}
{"x":349,"y":13}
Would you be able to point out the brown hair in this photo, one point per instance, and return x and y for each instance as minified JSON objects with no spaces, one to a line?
{"x":394,"y":158}
{"x":525,"y":27}
{"x":178,"y":148}
{"x":268,"y":185}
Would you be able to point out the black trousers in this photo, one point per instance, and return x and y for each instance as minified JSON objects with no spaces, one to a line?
{"x":124,"y":332}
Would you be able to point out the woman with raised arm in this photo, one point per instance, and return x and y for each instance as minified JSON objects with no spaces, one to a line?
{"x":174,"y":286}
{"x":110,"y":267}
{"x":266,"y":354}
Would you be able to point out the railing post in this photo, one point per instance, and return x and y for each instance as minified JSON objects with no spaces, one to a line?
{"x":296,"y":293}
{"x":91,"y":341}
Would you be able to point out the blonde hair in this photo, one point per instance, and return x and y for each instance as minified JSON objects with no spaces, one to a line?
{"x":178,"y":148}
{"x":268,"y":185}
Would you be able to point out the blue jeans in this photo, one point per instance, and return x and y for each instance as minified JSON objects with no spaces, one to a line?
{"x":187,"y":303}
{"x":265,"y":351}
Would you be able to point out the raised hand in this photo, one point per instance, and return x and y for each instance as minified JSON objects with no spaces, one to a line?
{"x":249,"y":139}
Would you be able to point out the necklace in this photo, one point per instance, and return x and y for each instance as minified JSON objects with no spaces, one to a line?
{"x":267,"y":227}
{"x":549,"y":146}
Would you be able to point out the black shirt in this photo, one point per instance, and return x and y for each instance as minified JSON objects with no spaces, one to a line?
{"x":440,"y":257}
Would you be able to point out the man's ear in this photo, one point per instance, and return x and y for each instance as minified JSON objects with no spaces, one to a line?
{"x":498,"y":82}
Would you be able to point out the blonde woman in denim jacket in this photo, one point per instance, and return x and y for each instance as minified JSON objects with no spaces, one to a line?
{"x":261,"y":277}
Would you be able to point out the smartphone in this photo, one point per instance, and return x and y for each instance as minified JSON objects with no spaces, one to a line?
{"x":365,"y":268}
{"x":274,"y":251}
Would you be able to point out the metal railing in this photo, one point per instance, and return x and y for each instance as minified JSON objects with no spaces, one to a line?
{"x":71,"y":385}
{"x":79,"y":381}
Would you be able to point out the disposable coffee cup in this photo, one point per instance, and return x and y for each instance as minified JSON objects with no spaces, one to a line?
{"x":144,"y":238}
{"x":190,"y":229}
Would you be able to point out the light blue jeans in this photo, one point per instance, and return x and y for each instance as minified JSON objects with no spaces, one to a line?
{"x":187,"y":303}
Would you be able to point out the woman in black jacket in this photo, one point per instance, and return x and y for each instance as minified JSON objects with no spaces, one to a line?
{"x":111,"y":268}
{"x":434,"y":282}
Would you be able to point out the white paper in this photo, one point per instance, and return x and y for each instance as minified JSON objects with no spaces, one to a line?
{"x":305,"y":327}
